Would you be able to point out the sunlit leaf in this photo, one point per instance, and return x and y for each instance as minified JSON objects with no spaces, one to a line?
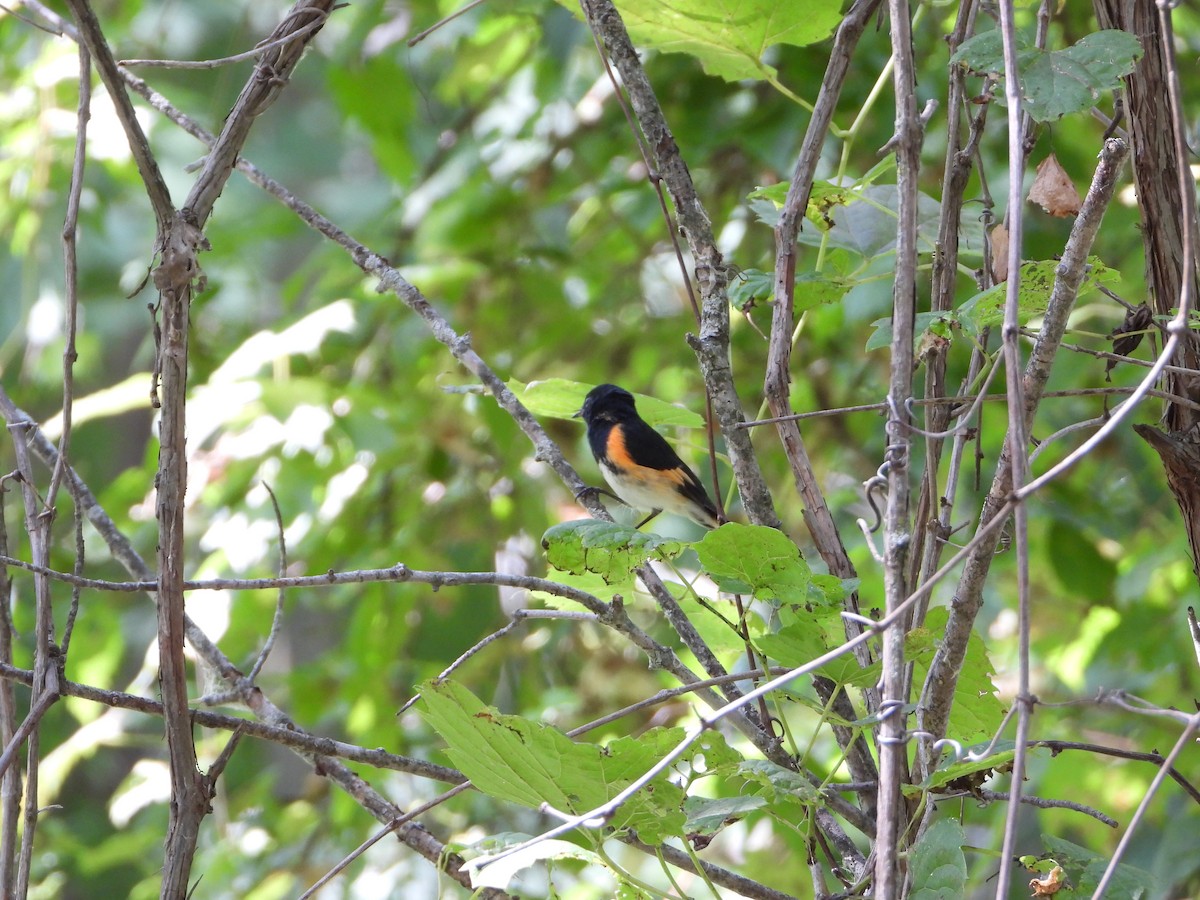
{"x":609,"y":550}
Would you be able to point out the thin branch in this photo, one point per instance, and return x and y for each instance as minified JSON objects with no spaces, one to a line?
{"x":45,"y":654}
{"x":1194,"y":629}
{"x":89,"y":34}
{"x":286,"y":45}
{"x":961,"y":399}
{"x":519,"y":617}
{"x":740,"y":884}
{"x":462,"y":10}
{"x":71,"y":268}
{"x":1110,"y":870}
{"x":1048,"y":803}
{"x":892,"y":733}
{"x":288,"y":737}
{"x":10,"y":783}
{"x":943,"y":672}
{"x":1157,"y":759}
{"x":259,"y":49}
{"x":43,"y":703}
{"x":1016,"y":466}
{"x":818,"y":518}
{"x":414,"y":836}
{"x":277,"y":618}
{"x":712,"y":344}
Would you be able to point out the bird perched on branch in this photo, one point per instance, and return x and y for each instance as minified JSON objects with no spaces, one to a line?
{"x":637,"y":461}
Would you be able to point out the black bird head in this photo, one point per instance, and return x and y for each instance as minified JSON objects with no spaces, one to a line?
{"x":606,"y":402}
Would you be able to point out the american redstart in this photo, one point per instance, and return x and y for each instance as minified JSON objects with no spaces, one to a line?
{"x":637,"y":461}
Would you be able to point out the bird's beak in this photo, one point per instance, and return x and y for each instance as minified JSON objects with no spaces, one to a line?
{"x":578,"y":413}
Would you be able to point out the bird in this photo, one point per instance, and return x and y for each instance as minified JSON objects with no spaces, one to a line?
{"x":638,"y":463}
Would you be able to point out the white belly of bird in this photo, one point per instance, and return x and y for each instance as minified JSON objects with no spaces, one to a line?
{"x":639,"y":495}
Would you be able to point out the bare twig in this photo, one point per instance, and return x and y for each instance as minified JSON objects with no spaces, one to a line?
{"x":1050,"y":803}
{"x":10,"y":783}
{"x":45,"y":654}
{"x":1110,"y":870}
{"x":89,"y":34}
{"x":258,"y":51}
{"x":1157,"y":759}
{"x":277,"y":618}
{"x":1016,"y":466}
{"x":892,"y":738}
{"x":818,"y":519}
{"x":288,"y":737}
{"x":13,"y":747}
{"x":961,"y":399}
{"x":462,"y":10}
{"x":518,"y":618}
{"x":943,"y":673}
{"x":712,"y":344}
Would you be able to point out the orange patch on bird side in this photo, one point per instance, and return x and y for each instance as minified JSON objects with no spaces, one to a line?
{"x":619,"y":459}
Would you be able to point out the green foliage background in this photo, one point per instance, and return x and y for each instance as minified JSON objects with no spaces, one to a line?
{"x":490,"y":163}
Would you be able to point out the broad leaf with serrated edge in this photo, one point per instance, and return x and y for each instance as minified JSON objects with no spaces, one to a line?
{"x":609,"y":550}
{"x":515,"y":759}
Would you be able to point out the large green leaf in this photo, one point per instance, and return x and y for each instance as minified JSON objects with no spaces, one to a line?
{"x":977,"y":711}
{"x":939,"y":866}
{"x":521,"y":761}
{"x":609,"y":550}
{"x":729,"y":37}
{"x":1055,"y":83}
{"x":753,"y":559}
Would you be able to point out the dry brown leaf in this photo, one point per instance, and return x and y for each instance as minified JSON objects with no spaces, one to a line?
{"x":1048,"y":886}
{"x":1053,"y":189}
{"x":1000,"y":253}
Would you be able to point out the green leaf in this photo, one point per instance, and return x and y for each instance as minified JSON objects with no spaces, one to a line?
{"x":923,"y":323}
{"x":778,"y":781}
{"x":951,"y":770}
{"x":512,"y":758}
{"x":1055,"y":83}
{"x":1085,"y":868}
{"x":729,"y":37}
{"x":864,"y":220}
{"x":500,"y":874}
{"x":813,"y":289}
{"x":711,"y":754}
{"x":797,"y":643}
{"x":558,"y":398}
{"x":939,"y":866}
{"x":754,"y":559}
{"x":705,"y":816}
{"x":977,"y":711}
{"x":751,"y":286}
{"x":609,"y":550}
{"x":718,"y":632}
{"x":561,"y":399}
{"x":986,"y":308}
{"x":776,"y":193}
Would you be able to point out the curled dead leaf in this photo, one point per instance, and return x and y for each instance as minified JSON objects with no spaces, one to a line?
{"x":1053,"y":189}
{"x":1128,"y":335}
{"x":1000,"y":253}
{"x":1048,"y":886}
